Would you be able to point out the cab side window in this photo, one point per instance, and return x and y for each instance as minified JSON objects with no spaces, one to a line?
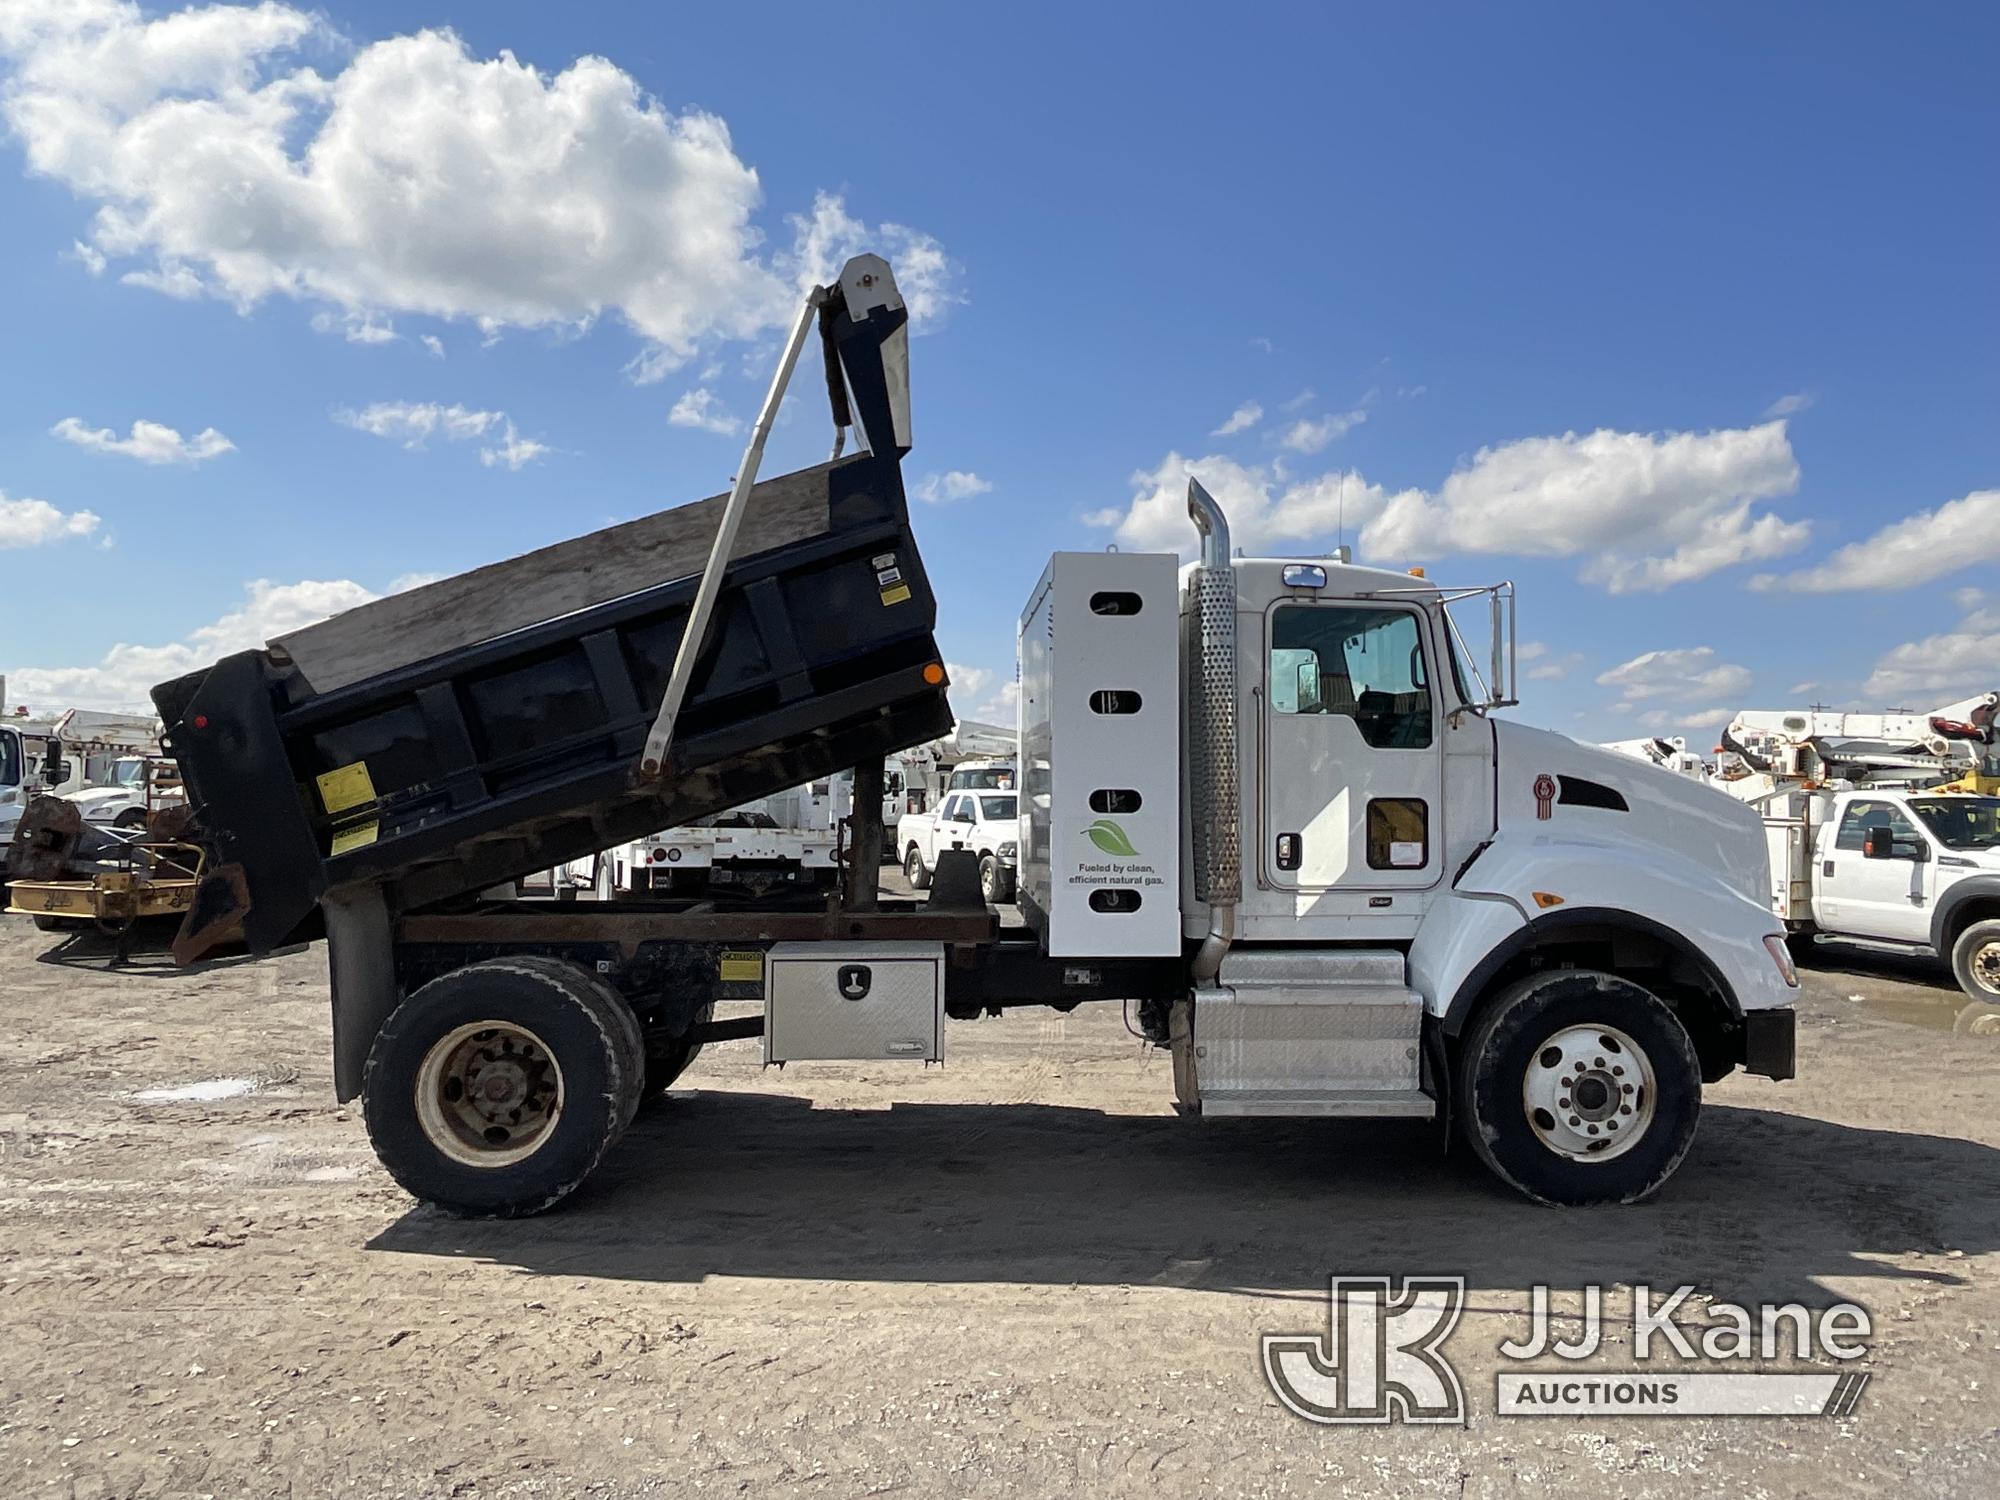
{"x":1862,"y":816}
{"x":1364,"y":664}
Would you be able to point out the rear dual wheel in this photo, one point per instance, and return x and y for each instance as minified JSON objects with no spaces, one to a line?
{"x":1579,"y":1088}
{"x":494,"y":1090}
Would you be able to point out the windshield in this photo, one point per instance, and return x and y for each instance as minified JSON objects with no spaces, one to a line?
{"x":10,"y":758}
{"x":986,"y":778}
{"x":993,"y":809}
{"x":1961,"y":822}
{"x":129,"y":773}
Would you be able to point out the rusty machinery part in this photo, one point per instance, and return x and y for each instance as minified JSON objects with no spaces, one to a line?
{"x":46,"y":840}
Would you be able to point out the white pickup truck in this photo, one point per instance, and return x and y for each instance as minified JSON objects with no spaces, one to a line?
{"x":1917,"y":872}
{"x":986,"y":822}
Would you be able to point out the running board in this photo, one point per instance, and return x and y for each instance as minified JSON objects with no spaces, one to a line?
{"x":1304,"y":1031}
{"x":1348,"y":1103}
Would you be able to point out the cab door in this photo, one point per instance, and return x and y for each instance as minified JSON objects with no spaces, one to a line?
{"x":1877,"y":898}
{"x":1352,"y":763}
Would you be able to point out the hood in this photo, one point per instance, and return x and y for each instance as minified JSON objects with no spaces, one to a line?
{"x":101,"y":796}
{"x":1661,"y":807}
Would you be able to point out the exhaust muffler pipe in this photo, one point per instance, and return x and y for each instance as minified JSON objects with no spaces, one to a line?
{"x":1215,"y":793}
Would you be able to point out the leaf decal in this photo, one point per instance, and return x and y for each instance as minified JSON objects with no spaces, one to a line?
{"x":1110,"y":838}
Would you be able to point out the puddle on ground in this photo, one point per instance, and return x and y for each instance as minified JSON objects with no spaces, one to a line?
{"x":205,"y":1092}
{"x":1973,"y":1020}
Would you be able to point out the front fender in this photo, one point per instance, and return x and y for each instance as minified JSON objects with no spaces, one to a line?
{"x":1971,"y":888}
{"x":1548,"y":884}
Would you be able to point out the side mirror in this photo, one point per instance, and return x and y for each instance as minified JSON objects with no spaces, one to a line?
{"x":1879,"y":843}
{"x":55,"y":770}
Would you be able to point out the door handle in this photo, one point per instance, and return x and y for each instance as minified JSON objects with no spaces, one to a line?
{"x":1291,"y":849}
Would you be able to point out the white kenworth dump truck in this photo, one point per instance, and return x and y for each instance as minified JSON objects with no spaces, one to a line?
{"x":1262,"y":803}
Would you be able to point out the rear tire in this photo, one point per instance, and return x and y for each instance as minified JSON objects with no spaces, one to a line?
{"x":1579,"y":1088}
{"x":132,"y":820}
{"x":914,"y":870}
{"x":494,"y":1090}
{"x":1975,"y":961}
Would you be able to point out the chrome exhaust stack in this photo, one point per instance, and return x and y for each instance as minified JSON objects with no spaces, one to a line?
{"x":1215,"y":800}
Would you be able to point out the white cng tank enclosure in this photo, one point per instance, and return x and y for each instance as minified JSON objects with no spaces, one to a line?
{"x":1100,"y":736}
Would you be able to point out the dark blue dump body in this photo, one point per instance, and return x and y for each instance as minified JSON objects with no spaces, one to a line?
{"x":490,"y":762}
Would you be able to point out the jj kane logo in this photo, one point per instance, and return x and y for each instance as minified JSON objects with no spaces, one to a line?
{"x":1381,"y":1357}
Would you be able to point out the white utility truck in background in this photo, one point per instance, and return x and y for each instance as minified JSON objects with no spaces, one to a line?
{"x":747,"y":851}
{"x":1263,"y":803}
{"x":1883,"y":829}
{"x":134,"y":788}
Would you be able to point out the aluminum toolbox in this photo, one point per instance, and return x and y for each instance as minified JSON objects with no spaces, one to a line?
{"x":854,"y":1001}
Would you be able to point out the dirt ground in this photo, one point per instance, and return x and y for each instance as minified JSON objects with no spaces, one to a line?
{"x":1017,"y":1274}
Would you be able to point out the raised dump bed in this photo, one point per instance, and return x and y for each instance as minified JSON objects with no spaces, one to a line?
{"x":467,"y":733}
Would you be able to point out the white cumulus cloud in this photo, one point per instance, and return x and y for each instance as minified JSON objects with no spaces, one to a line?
{"x":36,"y":523}
{"x":1246,"y":416}
{"x":968,"y":682}
{"x":413,"y":423}
{"x":149,"y":442}
{"x":244,"y":151}
{"x":1264,"y":509}
{"x":1682,"y":675}
{"x":124,"y":675}
{"x":1941,"y":668}
{"x":1908,"y":552}
{"x":1666,"y":720}
{"x":953,"y":484}
{"x":1309,"y":435}
{"x":1643,"y":511}
{"x":701,"y":409}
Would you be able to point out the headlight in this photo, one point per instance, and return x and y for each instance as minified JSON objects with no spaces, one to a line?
{"x":1782,"y":957}
{"x":1009,"y":849}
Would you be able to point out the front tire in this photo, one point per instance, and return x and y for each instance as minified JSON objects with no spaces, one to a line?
{"x":1579,"y":1088}
{"x":1975,"y":961}
{"x":914,"y":870}
{"x":494,"y":1090}
{"x":996,"y":881}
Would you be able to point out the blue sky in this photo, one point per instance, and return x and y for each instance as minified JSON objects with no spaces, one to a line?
{"x":1654,"y":310}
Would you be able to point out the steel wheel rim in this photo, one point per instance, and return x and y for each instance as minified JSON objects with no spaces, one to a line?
{"x":1985,"y":967}
{"x":489,"y":1093}
{"x":1589,"y":1093}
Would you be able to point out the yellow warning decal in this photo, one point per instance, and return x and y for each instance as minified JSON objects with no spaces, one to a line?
{"x":741,"y":966}
{"x":356,"y":836}
{"x":350,"y":786}
{"x":896,"y":595}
